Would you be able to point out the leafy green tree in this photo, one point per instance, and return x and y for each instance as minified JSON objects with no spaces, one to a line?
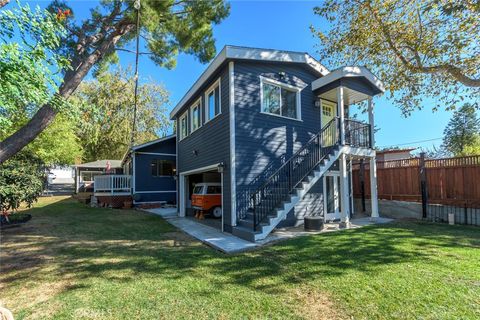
{"x":57,"y":145}
{"x":105,"y":123}
{"x":167,"y":28}
{"x":462,"y":134}
{"x":419,"y":48}
{"x":29,"y":68}
{"x":22,"y":180}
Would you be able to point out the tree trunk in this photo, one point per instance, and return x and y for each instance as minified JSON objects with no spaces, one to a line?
{"x":46,"y":114}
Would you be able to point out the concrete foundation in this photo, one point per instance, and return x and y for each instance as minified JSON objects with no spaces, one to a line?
{"x":392,"y":208}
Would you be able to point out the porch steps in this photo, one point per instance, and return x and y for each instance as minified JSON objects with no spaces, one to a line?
{"x":244,"y":228}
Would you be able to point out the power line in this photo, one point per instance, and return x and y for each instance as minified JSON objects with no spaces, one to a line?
{"x":413,"y":142}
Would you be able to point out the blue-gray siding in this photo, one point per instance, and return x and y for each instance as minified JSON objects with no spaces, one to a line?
{"x":149,"y":185}
{"x":264,"y":141}
{"x":210,"y":144}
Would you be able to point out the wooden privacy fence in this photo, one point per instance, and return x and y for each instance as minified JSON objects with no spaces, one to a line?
{"x":449,"y":181}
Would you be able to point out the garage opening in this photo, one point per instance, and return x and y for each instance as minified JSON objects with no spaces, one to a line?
{"x":203,"y":198}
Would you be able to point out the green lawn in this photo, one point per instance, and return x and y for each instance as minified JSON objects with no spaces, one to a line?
{"x":74,"y":262}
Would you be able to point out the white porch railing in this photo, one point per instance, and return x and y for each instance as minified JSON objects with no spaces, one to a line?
{"x":112,"y":184}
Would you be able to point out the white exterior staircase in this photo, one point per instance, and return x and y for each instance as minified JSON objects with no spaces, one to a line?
{"x":273,"y":200}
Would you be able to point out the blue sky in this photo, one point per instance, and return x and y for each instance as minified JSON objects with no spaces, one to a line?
{"x":283,"y":25}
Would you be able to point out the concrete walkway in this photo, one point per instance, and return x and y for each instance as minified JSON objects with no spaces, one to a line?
{"x":229,"y":243}
{"x":222,"y":241}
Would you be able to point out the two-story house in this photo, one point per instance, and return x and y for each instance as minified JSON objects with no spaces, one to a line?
{"x":272,"y":127}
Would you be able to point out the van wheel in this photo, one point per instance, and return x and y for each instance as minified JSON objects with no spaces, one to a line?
{"x":217,"y":212}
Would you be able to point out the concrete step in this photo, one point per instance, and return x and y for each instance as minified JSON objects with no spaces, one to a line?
{"x":244,"y":233}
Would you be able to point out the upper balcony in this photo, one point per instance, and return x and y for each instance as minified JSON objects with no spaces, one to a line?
{"x":342,"y":88}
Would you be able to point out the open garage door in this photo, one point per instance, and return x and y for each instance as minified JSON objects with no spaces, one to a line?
{"x":201,"y":197}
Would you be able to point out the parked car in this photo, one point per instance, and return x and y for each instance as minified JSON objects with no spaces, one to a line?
{"x":50,"y":177}
{"x":207,"y":198}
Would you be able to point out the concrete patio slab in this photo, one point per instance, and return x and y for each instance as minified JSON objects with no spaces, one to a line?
{"x":292,"y":232}
{"x":228,"y":243}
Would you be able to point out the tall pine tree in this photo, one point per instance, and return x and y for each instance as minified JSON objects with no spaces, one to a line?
{"x":462,"y":134}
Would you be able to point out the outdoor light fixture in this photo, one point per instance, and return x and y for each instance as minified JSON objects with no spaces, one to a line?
{"x":221,"y":167}
{"x":195,"y":152}
{"x":318,"y":103}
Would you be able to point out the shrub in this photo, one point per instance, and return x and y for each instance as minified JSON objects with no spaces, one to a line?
{"x":22,"y":179}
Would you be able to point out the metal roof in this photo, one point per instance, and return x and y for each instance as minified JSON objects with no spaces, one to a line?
{"x":100,"y":164}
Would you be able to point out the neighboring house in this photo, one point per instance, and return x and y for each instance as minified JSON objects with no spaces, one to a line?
{"x":62,"y":175}
{"x":85,"y":172}
{"x":152,"y":166}
{"x":394,"y":154}
{"x":272,"y":127}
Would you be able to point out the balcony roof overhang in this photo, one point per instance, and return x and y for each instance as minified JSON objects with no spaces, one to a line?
{"x":358,"y":82}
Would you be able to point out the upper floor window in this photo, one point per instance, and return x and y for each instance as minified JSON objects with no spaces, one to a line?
{"x":213,"y":101}
{"x":280,"y":99}
{"x":184,"y":125}
{"x":161,"y":168}
{"x":196,"y":118}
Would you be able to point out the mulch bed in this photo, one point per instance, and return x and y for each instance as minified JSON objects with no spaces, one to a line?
{"x":14,"y":220}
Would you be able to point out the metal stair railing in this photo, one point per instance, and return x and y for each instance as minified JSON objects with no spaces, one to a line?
{"x":283,"y":181}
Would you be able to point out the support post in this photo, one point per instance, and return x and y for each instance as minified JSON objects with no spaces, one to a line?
{"x":423,"y":185}
{"x":344,"y":193}
{"x":362,"y":182}
{"x":371,"y":122}
{"x":341,"y":113}
{"x":373,"y":187}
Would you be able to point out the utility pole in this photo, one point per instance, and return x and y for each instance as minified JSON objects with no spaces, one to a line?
{"x":136,"y":5}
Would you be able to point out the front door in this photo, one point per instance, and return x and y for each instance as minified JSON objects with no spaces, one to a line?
{"x":331,"y":194}
{"x":329,"y":111}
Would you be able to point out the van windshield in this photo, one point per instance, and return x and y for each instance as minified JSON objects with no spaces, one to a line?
{"x":198,"y":190}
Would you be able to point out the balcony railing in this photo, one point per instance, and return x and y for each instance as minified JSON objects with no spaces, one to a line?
{"x":358,"y":134}
{"x":112,"y":184}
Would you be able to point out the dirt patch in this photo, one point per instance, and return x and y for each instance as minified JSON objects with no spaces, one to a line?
{"x":314,"y":304}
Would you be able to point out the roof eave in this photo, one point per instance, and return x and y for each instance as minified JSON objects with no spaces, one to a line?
{"x":349,"y":72}
{"x":242,"y":53}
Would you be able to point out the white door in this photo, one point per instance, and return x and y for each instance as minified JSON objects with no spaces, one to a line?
{"x":331,"y":194}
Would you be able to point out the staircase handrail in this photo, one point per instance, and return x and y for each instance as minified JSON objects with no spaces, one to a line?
{"x":292,"y":184}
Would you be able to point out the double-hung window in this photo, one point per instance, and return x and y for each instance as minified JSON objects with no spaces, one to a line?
{"x":280,"y":99}
{"x":195,"y":116}
{"x":184,"y":125}
{"x":213,"y":101}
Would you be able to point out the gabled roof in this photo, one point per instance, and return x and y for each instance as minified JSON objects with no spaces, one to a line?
{"x":101,"y":164}
{"x":348,"y":72}
{"x":255,"y":54}
{"x":146,"y":144}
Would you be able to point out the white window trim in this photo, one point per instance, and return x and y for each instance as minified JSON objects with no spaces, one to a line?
{"x":180,"y":126}
{"x":285,"y":86}
{"x":216,"y":84}
{"x":198,"y":104}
